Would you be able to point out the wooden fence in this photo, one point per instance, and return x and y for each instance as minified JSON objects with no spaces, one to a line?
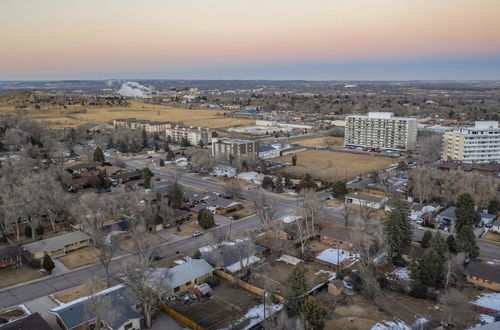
{"x":180,"y":318}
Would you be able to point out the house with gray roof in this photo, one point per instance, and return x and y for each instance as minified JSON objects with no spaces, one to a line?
{"x":58,"y":245}
{"x":232,"y":255}
{"x":365,"y":199}
{"x":448,"y":216}
{"x":121,"y":313}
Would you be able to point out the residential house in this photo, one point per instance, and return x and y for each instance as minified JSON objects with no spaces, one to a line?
{"x":10,"y":255}
{"x":178,"y":216}
{"x":224,"y":170}
{"x":182,"y":277}
{"x":78,"y":169}
{"x":86,"y":182}
{"x":423,"y":212}
{"x":487,"y":218}
{"x":448,"y":216}
{"x":495,"y":226}
{"x":32,"y":321}
{"x":222,"y":205}
{"x":58,"y":245}
{"x":365,"y":199}
{"x":484,"y":275}
{"x":233,"y":256}
{"x":338,"y":238}
{"x":123,"y":310}
{"x":127,"y":176}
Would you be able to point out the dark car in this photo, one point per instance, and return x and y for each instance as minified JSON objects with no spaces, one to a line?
{"x":103,"y":190}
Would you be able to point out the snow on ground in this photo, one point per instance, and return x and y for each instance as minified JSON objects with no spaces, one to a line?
{"x":245,"y":262}
{"x":399,"y":325}
{"x":402,"y":274}
{"x":210,"y":248}
{"x":488,"y":300}
{"x":333,"y":275}
{"x":484,"y":318}
{"x":380,"y":257}
{"x":290,"y":218}
{"x":255,"y":315}
{"x":334,"y":256}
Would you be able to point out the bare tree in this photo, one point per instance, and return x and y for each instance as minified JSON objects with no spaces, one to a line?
{"x":311,"y":213}
{"x":457,"y":309}
{"x":346,"y":212}
{"x":430,"y":144}
{"x":266,"y":207}
{"x":421,"y":183}
{"x":232,"y":189}
{"x":99,"y":308}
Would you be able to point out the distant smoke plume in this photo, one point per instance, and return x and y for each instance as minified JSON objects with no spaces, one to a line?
{"x":133,"y":89}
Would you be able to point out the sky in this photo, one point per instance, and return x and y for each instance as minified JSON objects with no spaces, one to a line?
{"x":250,"y":39}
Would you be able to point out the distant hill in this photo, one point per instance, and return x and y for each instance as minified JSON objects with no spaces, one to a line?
{"x":17,"y":98}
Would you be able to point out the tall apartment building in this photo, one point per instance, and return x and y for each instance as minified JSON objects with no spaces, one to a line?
{"x":193,"y":134}
{"x":140,"y":124}
{"x":477,"y":144}
{"x":225,"y":148}
{"x":381,"y":130}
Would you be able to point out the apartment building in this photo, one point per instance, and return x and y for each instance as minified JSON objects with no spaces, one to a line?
{"x":141,"y":124}
{"x":226,"y":148}
{"x":381,"y":130}
{"x":193,"y":134}
{"x":477,"y":144}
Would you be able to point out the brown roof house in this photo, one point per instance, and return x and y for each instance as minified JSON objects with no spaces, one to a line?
{"x":58,"y":245}
{"x":484,"y":275}
{"x":10,"y":256}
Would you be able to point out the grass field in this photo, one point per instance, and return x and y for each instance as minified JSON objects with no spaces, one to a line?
{"x":324,"y":141}
{"x":80,"y":257}
{"x":70,"y":117}
{"x":328,"y":165}
{"x":78,"y":291}
{"x":22,"y":274}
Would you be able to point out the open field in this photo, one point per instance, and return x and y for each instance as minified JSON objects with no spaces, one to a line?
{"x":324,"y":141}
{"x":329,"y":165}
{"x":22,"y":274}
{"x":80,"y":257}
{"x":70,"y":117}
{"x":78,"y":291}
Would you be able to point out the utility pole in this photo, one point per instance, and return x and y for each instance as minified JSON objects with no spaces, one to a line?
{"x":265,"y":293}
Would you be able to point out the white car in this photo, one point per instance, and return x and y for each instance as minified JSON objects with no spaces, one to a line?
{"x":197,"y":233}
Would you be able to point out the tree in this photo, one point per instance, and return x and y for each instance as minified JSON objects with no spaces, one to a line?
{"x":306,"y":183}
{"x":288,"y":180}
{"x":146,"y":175}
{"x":278,"y":184}
{"x":438,"y":243}
{"x":466,"y":242}
{"x":494,"y":206}
{"x":99,"y":155}
{"x":296,"y":289}
{"x":466,"y":212}
{"x":232,"y":189}
{"x":162,"y":162}
{"x":451,"y":244}
{"x":99,"y":308}
{"x":206,"y":219}
{"x":312,"y":315}
{"x":428,"y":270}
{"x":426,"y":239}
{"x":421,"y":183}
{"x":185,"y":142}
{"x":397,"y":230}
{"x":402,"y":166}
{"x":200,"y":143}
{"x":170,"y":156}
{"x":311,"y":213}
{"x":48,"y":264}
{"x":294,"y":160}
{"x":266,"y":207}
{"x":374,"y":177}
{"x":144,"y":138}
{"x":457,"y":309}
{"x":268,"y":183}
{"x":346,"y":213}
{"x":339,"y":189}
{"x":175,"y":195}
{"x":244,"y":165}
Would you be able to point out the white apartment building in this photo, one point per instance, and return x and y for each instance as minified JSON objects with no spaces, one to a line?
{"x":381,"y":130}
{"x":477,"y":144}
{"x":193,"y":134}
{"x":140,"y":124}
{"x":228,"y":149}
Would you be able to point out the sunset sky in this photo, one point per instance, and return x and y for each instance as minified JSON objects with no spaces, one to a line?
{"x":250,"y":39}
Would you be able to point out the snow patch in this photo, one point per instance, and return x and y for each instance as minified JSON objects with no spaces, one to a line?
{"x":290,"y":218}
{"x":399,"y":325}
{"x":255,"y":315}
{"x":336,"y":256}
{"x":245,"y":263}
{"x":333,"y":275}
{"x":210,"y":248}
{"x":486,"y":318}
{"x":488,"y":300}
{"x":402,"y":274}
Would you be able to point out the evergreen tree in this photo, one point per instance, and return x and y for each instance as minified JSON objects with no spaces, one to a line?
{"x":426,"y":239}
{"x":374,"y":177}
{"x":244,"y":165}
{"x":288,"y":180}
{"x":185,"y":142}
{"x":438,"y":243}
{"x":206,"y":219}
{"x":267,"y":183}
{"x":494,"y":206}
{"x":175,"y":195}
{"x":465,"y":212}
{"x":397,"y":230}
{"x":339,"y":189}
{"x":451,"y":244}
{"x":144,"y":138}
{"x":313,"y":315}
{"x":466,"y":242}
{"x":170,"y":156}
{"x":307,"y":182}
{"x":99,"y":155}
{"x":429,"y":269}
{"x":166,"y":146}
{"x":162,"y":162}
{"x":146,"y":175}
{"x":402,"y":166}
{"x":278,"y":185}
{"x":200,"y":144}
{"x":296,"y":289}
{"x":48,"y":264}
{"x":294,"y":160}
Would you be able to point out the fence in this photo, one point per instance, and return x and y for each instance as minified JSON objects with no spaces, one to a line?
{"x":180,"y":318}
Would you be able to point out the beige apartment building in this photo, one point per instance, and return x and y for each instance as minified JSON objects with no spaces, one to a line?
{"x":477,"y":144}
{"x":193,"y":134}
{"x":227,"y":149}
{"x":381,"y":130}
{"x":140,"y":124}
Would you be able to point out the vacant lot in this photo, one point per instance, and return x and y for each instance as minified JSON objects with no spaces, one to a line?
{"x":80,"y":257}
{"x":11,"y":276}
{"x":325,"y":141}
{"x":79,"y":291}
{"x":74,"y":116}
{"x":333,"y":166}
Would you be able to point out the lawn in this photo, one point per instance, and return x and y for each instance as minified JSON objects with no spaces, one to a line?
{"x":325,"y":141}
{"x":333,"y":166}
{"x":78,"y":292}
{"x":187,"y":228}
{"x":11,"y":276}
{"x":60,"y":117}
{"x":491,"y":237}
{"x":80,"y":257}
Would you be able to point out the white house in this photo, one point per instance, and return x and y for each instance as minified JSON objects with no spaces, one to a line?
{"x":365,"y":199}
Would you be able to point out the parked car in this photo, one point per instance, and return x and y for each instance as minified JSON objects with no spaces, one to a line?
{"x":103,"y":190}
{"x":197,"y":233}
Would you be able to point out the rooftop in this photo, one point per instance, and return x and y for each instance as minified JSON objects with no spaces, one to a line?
{"x":56,"y":243}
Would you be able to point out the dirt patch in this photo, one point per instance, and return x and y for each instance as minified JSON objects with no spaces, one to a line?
{"x":333,"y":166}
{"x":78,"y":292}
{"x":127,"y":244}
{"x":246,"y":211}
{"x":491,"y":237}
{"x":334,"y":202}
{"x":80,"y":257}
{"x":22,"y":274}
